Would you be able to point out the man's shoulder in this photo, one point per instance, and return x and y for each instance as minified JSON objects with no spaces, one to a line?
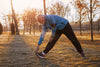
{"x":51,"y":16}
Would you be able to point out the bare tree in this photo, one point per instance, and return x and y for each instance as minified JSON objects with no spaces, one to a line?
{"x":1,"y":28}
{"x":67,"y":10}
{"x":29,"y":19}
{"x":44,"y":4}
{"x":98,"y":24}
{"x":94,"y":6}
{"x":24,"y":18}
{"x":58,"y":9}
{"x":14,"y":18}
{"x":81,"y":11}
{"x":90,"y":7}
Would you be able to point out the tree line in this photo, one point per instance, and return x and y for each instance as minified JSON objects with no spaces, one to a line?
{"x":85,"y":10}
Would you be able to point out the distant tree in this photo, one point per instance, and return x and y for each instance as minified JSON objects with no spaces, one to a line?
{"x":14,"y":18}
{"x":24,"y":18}
{"x":39,"y":12}
{"x":98,"y":22}
{"x":44,"y":5}
{"x":91,"y":8}
{"x":29,"y":18}
{"x":67,"y":10}
{"x":18,"y":18}
{"x":12,"y":29}
{"x":1,"y":28}
{"x":94,"y":6}
{"x":9,"y":17}
{"x":11,"y":23}
{"x":58,"y":9}
{"x":81,"y":11}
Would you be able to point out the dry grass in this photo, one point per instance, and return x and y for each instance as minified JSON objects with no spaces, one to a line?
{"x":18,"y":51}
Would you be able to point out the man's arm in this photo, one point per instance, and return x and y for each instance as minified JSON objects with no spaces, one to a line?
{"x":42,"y":35}
{"x":41,"y":38}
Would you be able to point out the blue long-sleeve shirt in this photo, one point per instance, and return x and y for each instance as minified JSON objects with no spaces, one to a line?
{"x":58,"y":22}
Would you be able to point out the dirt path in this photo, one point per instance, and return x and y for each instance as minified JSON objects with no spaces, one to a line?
{"x":18,"y":51}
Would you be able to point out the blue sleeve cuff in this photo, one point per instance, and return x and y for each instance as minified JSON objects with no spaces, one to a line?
{"x":40,"y":41}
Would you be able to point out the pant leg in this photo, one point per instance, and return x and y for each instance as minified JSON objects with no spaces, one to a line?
{"x":50,"y":45}
{"x":70,"y":34}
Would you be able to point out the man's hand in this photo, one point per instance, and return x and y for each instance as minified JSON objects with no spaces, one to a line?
{"x":37,"y":49}
{"x":51,"y":38}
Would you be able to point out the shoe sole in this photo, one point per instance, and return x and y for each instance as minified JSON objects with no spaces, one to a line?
{"x":39,"y":56}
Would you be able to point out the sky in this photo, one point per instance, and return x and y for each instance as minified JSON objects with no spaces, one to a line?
{"x":20,"y":5}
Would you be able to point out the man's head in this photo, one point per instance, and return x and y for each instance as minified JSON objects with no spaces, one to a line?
{"x":41,"y":19}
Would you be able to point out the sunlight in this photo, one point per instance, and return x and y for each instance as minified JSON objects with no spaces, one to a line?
{"x":20,"y":5}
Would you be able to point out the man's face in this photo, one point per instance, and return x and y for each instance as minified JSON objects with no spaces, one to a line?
{"x":41,"y":19}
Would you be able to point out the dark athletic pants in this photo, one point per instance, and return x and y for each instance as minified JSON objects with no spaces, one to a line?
{"x":68,"y":33}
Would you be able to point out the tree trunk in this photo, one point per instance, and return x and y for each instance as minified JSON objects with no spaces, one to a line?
{"x":30,"y":29}
{"x":14,"y":18}
{"x":1,"y":28}
{"x":80,"y":26}
{"x":24,"y":29}
{"x":99,"y":24}
{"x":34,"y":29}
{"x":44,"y":7}
{"x":91,"y":20}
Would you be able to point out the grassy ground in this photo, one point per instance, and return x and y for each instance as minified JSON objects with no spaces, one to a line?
{"x":18,"y":51}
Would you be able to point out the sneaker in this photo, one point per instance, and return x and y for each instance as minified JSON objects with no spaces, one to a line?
{"x":41,"y":55}
{"x":82,"y":54}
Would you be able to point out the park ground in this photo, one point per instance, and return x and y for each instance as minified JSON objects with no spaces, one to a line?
{"x":19,"y":51}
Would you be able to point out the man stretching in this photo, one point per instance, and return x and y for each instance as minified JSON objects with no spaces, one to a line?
{"x":59,"y":26}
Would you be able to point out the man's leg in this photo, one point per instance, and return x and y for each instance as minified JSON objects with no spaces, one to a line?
{"x":51,"y":44}
{"x":70,"y":34}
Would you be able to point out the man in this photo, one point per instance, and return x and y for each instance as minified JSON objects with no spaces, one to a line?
{"x":59,"y":26}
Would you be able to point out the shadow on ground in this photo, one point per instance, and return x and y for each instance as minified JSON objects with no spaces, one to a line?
{"x":16,"y":53}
